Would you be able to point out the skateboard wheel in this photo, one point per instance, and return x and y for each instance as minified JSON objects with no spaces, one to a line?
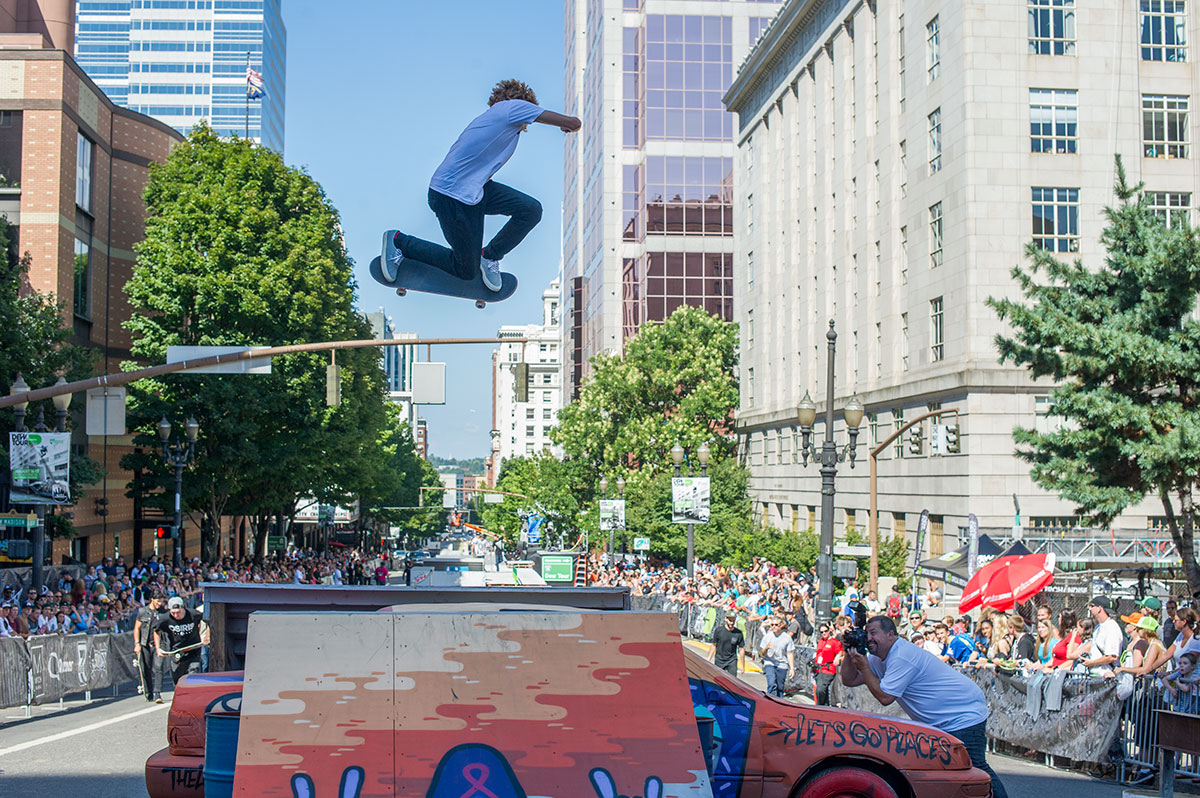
{"x":402,"y":292}
{"x":479,"y":303}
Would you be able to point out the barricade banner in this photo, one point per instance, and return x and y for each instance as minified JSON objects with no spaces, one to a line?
{"x":14,"y":672}
{"x":121,"y":659}
{"x":65,"y":665}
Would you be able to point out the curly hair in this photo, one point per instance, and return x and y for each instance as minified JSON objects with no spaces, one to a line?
{"x":511,"y":89}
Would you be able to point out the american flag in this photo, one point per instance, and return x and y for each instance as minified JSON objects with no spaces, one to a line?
{"x":255,"y":88}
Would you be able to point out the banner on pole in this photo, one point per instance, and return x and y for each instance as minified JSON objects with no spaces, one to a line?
{"x":689,"y":500}
{"x":612,"y":515}
{"x":972,"y":545}
{"x":40,"y":463}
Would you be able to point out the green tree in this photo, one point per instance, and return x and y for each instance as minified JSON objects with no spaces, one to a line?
{"x":35,"y":343}
{"x":242,"y":250}
{"x":1123,"y":345}
{"x":675,"y":383}
{"x":551,"y":487}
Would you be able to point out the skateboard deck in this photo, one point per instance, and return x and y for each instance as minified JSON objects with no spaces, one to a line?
{"x":417,"y":276}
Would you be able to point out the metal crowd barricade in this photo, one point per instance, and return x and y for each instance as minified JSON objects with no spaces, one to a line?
{"x":1139,"y":727}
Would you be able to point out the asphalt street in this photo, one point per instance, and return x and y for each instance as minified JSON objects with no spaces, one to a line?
{"x":99,"y":750}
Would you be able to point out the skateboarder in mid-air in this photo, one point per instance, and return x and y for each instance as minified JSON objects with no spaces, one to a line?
{"x":462,"y":192}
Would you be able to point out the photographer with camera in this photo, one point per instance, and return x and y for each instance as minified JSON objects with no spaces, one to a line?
{"x":929,"y":690}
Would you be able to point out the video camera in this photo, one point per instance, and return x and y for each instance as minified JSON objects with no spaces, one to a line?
{"x":855,"y":638}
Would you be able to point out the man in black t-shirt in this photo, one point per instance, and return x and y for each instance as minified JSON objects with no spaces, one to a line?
{"x":728,"y":650}
{"x":150,"y":667}
{"x":180,"y":628}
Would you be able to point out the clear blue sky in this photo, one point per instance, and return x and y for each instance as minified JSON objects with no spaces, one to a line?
{"x":377,"y":91}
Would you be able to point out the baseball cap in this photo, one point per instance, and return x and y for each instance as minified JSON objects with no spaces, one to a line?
{"x":1133,"y":618}
{"x":1101,"y":601}
{"x":175,"y":603}
{"x":1151,"y":603}
{"x":1148,"y":623}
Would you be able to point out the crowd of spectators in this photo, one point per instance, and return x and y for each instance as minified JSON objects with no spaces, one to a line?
{"x":106,"y":597}
{"x":1158,"y":641}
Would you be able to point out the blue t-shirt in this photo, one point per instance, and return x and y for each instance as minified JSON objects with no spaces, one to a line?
{"x":486,"y":145}
{"x":961,"y":647}
{"x":929,"y":690}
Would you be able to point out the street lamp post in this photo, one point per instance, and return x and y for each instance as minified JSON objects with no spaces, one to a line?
{"x":702,"y":454}
{"x":178,"y":455}
{"x":806,"y":413}
{"x":603,"y":496}
{"x":612,"y":535}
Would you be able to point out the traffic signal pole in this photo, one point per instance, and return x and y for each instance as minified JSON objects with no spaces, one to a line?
{"x":126,"y":377}
{"x":872,"y":487}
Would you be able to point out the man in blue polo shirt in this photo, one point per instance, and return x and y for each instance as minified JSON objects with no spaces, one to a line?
{"x":929,"y":690}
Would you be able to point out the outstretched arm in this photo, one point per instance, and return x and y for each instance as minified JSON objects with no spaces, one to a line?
{"x":567,"y":124}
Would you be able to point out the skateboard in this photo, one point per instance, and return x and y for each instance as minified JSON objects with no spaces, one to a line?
{"x":417,"y":276}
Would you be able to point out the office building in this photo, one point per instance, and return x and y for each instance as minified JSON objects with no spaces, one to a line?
{"x":182,"y":61}
{"x":73,"y":167}
{"x":527,"y":386}
{"x":893,"y":161}
{"x":647,"y":209}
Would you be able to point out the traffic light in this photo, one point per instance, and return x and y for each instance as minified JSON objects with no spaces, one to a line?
{"x":521,"y":382}
{"x":915,"y":440}
{"x":952,"y":444}
{"x":165,"y":532}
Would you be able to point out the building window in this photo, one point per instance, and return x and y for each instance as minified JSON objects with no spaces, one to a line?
{"x":878,"y":349}
{"x":904,"y":255}
{"x":749,"y":269}
{"x":935,"y":235}
{"x":1056,"y":219}
{"x":897,"y":423}
{"x":900,"y":60}
{"x":529,"y":413}
{"x":547,"y":396}
{"x":750,"y":329}
{"x":10,"y":149}
{"x":688,"y":65}
{"x":1164,"y":126}
{"x":545,"y":379}
{"x":83,"y":269}
{"x":750,"y":385}
{"x":547,"y":414}
{"x":513,"y":357}
{"x":899,"y":525}
{"x":1045,"y":421}
{"x":904,"y":341}
{"x":904,"y":168}
{"x":1053,"y":120}
{"x":1164,"y":26}
{"x":83,"y":173}
{"x":933,"y":49}
{"x":935,"y":141}
{"x":1052,"y":27}
{"x":937,"y":347}
{"x":529,"y":432}
{"x":1173,"y":208}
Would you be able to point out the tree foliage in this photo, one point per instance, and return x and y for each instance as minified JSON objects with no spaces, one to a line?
{"x":398,"y":476}
{"x":242,"y":250}
{"x":1123,"y":344}
{"x":551,"y":487}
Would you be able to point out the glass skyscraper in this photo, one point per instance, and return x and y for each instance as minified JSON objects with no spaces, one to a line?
{"x":181,"y":61}
{"x":648,"y":200}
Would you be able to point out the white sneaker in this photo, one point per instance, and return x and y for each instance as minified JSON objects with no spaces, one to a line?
{"x":490,"y":269}
{"x":390,"y":257}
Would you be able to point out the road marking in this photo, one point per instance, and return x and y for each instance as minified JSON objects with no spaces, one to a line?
{"x":90,"y":727}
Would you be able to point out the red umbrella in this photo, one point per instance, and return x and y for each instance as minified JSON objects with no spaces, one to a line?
{"x":1007,"y":581}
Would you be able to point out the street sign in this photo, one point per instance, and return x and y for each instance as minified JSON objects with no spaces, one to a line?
{"x":254,"y":365}
{"x":18,"y":519}
{"x":846,"y":550}
{"x":558,"y":568}
{"x":493,"y":498}
{"x":276,"y":543}
{"x":641,"y":544}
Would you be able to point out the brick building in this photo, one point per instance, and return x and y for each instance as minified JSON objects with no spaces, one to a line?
{"x":72,"y":170}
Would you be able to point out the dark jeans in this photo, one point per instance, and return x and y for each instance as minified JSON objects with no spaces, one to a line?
{"x":150,"y":668}
{"x":462,"y":225}
{"x":824,"y":680}
{"x":776,"y":678}
{"x":975,"y":740}
{"x":185,"y":666}
{"x":730,"y":667}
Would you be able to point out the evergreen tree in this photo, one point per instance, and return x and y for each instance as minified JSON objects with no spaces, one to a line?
{"x":1123,"y":343}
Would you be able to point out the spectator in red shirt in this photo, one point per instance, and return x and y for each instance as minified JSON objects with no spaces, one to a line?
{"x":829,"y":657}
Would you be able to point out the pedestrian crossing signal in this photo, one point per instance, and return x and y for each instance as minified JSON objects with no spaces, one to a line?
{"x":164,"y":532}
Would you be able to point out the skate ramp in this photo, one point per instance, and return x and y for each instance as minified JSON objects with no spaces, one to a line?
{"x":446,"y":704}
